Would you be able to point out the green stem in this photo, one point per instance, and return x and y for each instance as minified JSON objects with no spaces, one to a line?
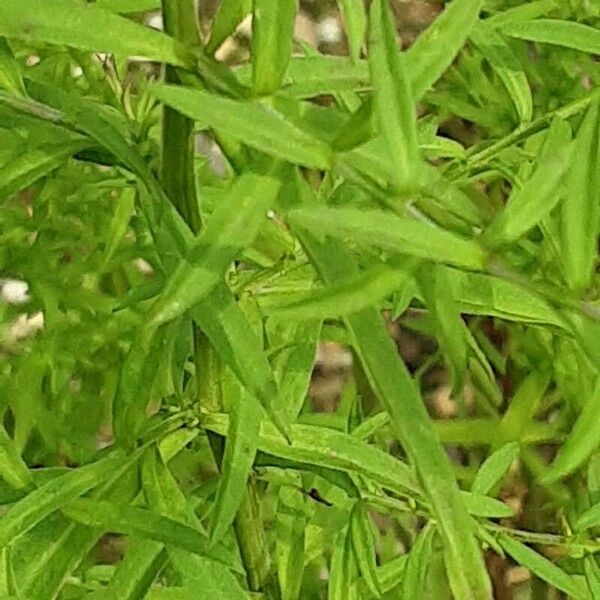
{"x":178,"y":180}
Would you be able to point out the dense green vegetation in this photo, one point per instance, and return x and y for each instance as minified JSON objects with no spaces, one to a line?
{"x":154,"y":380}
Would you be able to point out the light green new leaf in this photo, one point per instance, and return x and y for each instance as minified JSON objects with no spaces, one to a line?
{"x":582,"y":440}
{"x":342,"y":569}
{"x":240,"y":451}
{"x":34,"y":163}
{"x":128,"y":6}
{"x":494,"y":468}
{"x":579,"y":214}
{"x":415,"y":571}
{"x":329,"y":448}
{"x":249,"y":122}
{"x":436,"y":48}
{"x":355,"y":22}
{"x":10,"y":74}
{"x":391,"y":232}
{"x":555,"y":31}
{"x":592,"y":575}
{"x":590,"y":518}
{"x":504,"y":61}
{"x":228,"y":17}
{"x":394,"y":105}
{"x":271,"y":48}
{"x":12,"y":467}
{"x":139,"y":522}
{"x":8,"y":585}
{"x":87,"y":27}
{"x":522,"y":12}
{"x":363,"y":545}
{"x":137,"y":571}
{"x":119,"y":223}
{"x":543,"y":568}
{"x":479,"y":505}
{"x":449,"y":326}
{"x":43,"y":501}
{"x":528,"y":205}
{"x":231,"y":228}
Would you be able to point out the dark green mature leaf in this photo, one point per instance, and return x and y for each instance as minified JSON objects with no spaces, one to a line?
{"x":394,"y":105}
{"x":528,"y":205}
{"x":249,"y":122}
{"x":272,"y":37}
{"x":52,"y":496}
{"x":581,"y":442}
{"x":555,"y":31}
{"x":503,"y":60}
{"x":87,"y":27}
{"x":391,"y":232}
{"x":542,"y":567}
{"x":435,"y":49}
{"x":580,"y":207}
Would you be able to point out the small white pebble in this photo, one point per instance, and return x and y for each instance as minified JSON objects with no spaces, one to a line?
{"x":329,"y":30}
{"x":32,"y":60}
{"x":156,"y":21}
{"x":143,"y":266}
{"x":15,"y":291}
{"x":76,"y":72}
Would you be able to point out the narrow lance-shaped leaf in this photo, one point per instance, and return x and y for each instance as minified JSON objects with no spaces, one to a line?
{"x":249,"y":122}
{"x":583,"y":439}
{"x":228,"y":16}
{"x":528,"y":205}
{"x":391,"y":232}
{"x":87,"y":27}
{"x":10,"y":74}
{"x":523,"y":12}
{"x":415,"y":572}
{"x":555,"y":31}
{"x":503,"y":60}
{"x":495,"y":468}
{"x":543,"y":568}
{"x":231,"y":228}
{"x":394,"y":105}
{"x":272,"y":37}
{"x":363,"y":545}
{"x":579,"y":211}
{"x":240,"y":450}
{"x":435,"y":49}
{"x":36,"y":506}
{"x":355,"y":22}
{"x":12,"y":467}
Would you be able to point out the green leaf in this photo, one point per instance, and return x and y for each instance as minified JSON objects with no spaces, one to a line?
{"x":363,"y":545}
{"x":579,"y":212}
{"x":231,"y":229}
{"x":34,"y":163}
{"x":52,"y":496}
{"x":483,"y":506}
{"x":341,"y":568}
{"x":592,"y":575}
{"x":128,"y":6}
{"x":555,"y":31}
{"x":240,"y":451}
{"x":328,"y":448}
{"x":139,"y":522}
{"x":522,"y":12}
{"x":528,"y":205}
{"x":12,"y":467}
{"x":137,"y":571}
{"x":366,"y":289}
{"x":249,"y":122}
{"x":415,"y":571}
{"x":436,"y":48}
{"x":494,"y":468}
{"x":87,"y":27}
{"x":119,"y":224}
{"x":394,"y":105}
{"x":449,"y":326}
{"x":10,"y":74}
{"x":589,"y":518}
{"x":504,"y":61}
{"x":581,"y":442}
{"x":228,"y":17}
{"x":355,"y":22}
{"x":542,"y":567}
{"x":391,"y":232}
{"x":271,"y":48}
